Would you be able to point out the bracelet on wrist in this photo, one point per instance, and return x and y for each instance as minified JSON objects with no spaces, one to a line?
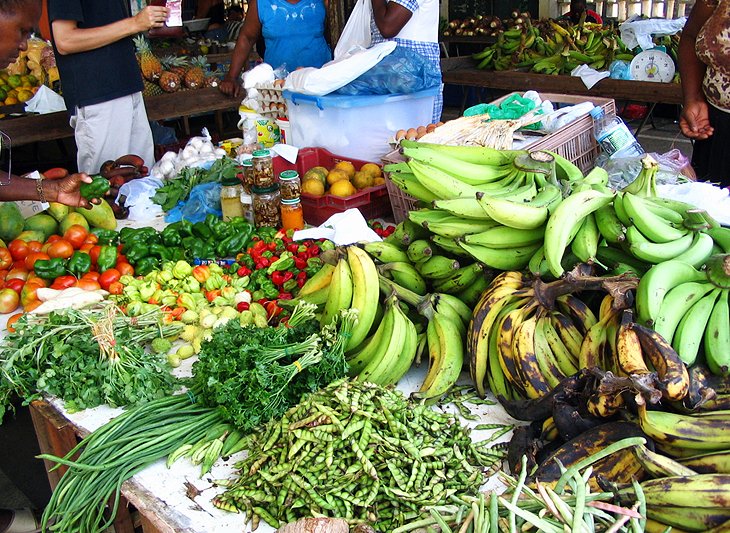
{"x":39,"y":189}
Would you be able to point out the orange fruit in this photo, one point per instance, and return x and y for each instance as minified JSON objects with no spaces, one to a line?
{"x":10,"y":100}
{"x":346,"y":166}
{"x":313,"y":186}
{"x":342,"y":188}
{"x":25,"y":95}
{"x":337,"y":175}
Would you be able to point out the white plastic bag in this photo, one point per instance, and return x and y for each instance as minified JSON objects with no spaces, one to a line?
{"x":357,"y":30}
{"x":337,"y":73}
{"x":637,"y":32}
{"x":45,"y":101}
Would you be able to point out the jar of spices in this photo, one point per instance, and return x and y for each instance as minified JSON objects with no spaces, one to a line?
{"x":247,"y":204}
{"x":291,"y":185}
{"x":231,"y":198}
{"x":292,"y":214}
{"x":247,"y":165}
{"x":266,"y":206}
{"x":263,"y":169}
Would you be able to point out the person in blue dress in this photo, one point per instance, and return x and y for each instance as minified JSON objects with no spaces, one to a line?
{"x":293,"y":32}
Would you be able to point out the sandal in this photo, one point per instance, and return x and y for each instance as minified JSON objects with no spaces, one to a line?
{"x":18,"y":521}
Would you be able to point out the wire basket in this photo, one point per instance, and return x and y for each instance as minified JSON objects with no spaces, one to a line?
{"x":575,"y":142}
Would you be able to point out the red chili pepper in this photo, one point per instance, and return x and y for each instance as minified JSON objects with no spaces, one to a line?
{"x":300,"y":263}
{"x":277,"y":278}
{"x":285,"y":296}
{"x":242,"y":306}
{"x":263,"y":301}
{"x":263,"y":263}
{"x":293,"y":248}
{"x":302,"y":276}
{"x":287,"y":276}
{"x":313,"y":250}
{"x":271,"y":246}
{"x":243,"y":271}
{"x":301,"y":282}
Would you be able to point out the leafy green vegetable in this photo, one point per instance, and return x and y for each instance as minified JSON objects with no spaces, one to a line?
{"x":257,"y":374}
{"x":86,"y":358}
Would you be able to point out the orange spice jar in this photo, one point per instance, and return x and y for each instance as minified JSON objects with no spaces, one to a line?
{"x":292,"y":214}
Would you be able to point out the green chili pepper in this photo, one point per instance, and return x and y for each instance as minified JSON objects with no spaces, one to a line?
{"x":230,"y":246}
{"x":79,"y":264}
{"x":170,"y":236}
{"x":202,"y":250}
{"x":161,"y":251}
{"x":202,"y":231}
{"x":107,"y":258}
{"x":106,"y":236}
{"x":144,"y":235}
{"x":146,"y":265}
{"x":96,"y":189}
{"x":50,"y":268}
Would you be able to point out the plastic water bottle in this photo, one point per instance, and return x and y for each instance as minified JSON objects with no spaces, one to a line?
{"x":614,"y":136}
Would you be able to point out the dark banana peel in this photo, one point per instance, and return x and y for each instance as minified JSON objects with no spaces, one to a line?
{"x":621,"y":467}
{"x":687,"y":518}
{"x":539,"y":409}
{"x":671,"y":370}
{"x":709,"y":463}
{"x":652,"y":526}
{"x":570,"y":422}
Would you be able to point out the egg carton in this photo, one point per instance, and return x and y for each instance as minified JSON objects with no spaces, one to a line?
{"x":271,"y":92}
{"x":274,"y":109}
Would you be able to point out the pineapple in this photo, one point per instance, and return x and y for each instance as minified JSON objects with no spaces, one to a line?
{"x":170,"y":82}
{"x":213,"y":79}
{"x":148,"y":62}
{"x":195,"y":76}
{"x":177,"y":65}
{"x":151,"y":89}
{"x":171,"y":79}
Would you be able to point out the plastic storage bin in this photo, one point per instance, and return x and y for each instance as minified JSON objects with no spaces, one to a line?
{"x":356,"y":126}
{"x":372,"y":202}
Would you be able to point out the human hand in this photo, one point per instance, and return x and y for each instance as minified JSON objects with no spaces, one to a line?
{"x":151,"y":17}
{"x":695,"y":121}
{"x":66,"y":190}
{"x":230,"y":87}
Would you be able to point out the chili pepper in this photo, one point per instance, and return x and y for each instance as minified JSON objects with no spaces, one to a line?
{"x":233,"y":268}
{"x":79,"y":264}
{"x":201,"y":273}
{"x":233,"y":244}
{"x":243,"y":271}
{"x":202,"y":250}
{"x":183,"y":227}
{"x":146,"y":265}
{"x":285,"y":262}
{"x":106,"y":236}
{"x":290,"y":284}
{"x":170,"y":236}
{"x":135,"y":252}
{"x":263,"y":263}
{"x":285,"y":295}
{"x":300,"y":263}
{"x":270,"y":290}
{"x":242,"y":306}
{"x":314,"y":265}
{"x":145,"y":235}
{"x":96,"y":189}
{"x":50,"y":268}
{"x":214,"y":281}
{"x":181,"y":270}
{"x":277,"y":278}
{"x":107,"y":258}
{"x":202,"y":231}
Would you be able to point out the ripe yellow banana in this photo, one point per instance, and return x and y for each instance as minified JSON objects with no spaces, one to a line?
{"x":365,"y":293}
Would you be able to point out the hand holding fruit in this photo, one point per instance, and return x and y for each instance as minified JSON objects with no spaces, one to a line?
{"x":66,"y":190}
{"x":151,"y":17}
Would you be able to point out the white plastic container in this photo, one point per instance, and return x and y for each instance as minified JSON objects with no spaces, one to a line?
{"x":356,"y":126}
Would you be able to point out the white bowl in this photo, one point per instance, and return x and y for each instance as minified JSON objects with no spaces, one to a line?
{"x":196,"y":24}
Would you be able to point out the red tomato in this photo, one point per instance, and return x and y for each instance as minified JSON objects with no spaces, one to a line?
{"x":121,"y":258}
{"x":53,"y":238}
{"x":32,"y":257}
{"x":212,"y":295}
{"x":76,"y":235}
{"x":63,"y":282}
{"x":88,"y":284}
{"x":17,"y":272}
{"x":86,"y":247}
{"x":6,"y":258}
{"x":61,"y":248}
{"x":55,"y":173}
{"x":28,"y":294}
{"x":16,"y":284}
{"x":35,"y":246}
{"x":109,"y":276}
{"x":31,"y":304}
{"x":18,"y":249}
{"x":32,"y":276}
{"x":9,"y":300}
{"x":93,"y":276}
{"x":91,"y":238}
{"x":94,"y":253}
{"x":12,"y":320}
{"x":125,"y":269}
{"x":117,"y":288}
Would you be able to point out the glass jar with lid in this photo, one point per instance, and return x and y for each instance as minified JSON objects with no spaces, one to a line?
{"x":266,"y":206}
{"x":263,"y":169}
{"x":247,"y":204}
{"x":292,"y":214}
{"x":247,"y":165}
{"x":231,"y":198}
{"x":291,"y":185}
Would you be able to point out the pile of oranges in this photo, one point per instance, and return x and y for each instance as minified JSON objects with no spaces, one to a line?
{"x":16,"y":88}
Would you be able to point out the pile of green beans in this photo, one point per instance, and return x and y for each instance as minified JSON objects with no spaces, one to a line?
{"x":360,"y":452}
{"x":114,"y":453}
{"x":567,"y":506}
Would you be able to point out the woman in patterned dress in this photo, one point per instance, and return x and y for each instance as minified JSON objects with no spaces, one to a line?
{"x":704,"y":65}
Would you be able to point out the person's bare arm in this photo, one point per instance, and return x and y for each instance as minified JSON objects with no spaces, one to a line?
{"x":390,"y":17}
{"x":250,"y":32}
{"x":65,"y":190}
{"x":694,"y":122}
{"x":70,"y":39}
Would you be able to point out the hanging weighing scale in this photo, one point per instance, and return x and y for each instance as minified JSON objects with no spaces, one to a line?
{"x":652,"y":65}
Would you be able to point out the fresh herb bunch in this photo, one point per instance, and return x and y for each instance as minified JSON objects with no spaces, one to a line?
{"x":85,"y":357}
{"x":178,"y":189}
{"x":257,"y":374}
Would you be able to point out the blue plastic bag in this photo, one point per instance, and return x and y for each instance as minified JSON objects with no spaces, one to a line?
{"x":403,"y":71}
{"x":204,"y":199}
{"x":620,"y":70}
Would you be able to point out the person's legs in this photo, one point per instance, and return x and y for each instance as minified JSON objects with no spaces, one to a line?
{"x":111,"y":129}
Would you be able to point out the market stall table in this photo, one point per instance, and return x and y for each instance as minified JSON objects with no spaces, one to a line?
{"x":38,"y":128}
{"x":463,"y":71}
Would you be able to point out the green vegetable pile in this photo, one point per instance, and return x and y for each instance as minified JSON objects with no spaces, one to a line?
{"x":85,"y":357}
{"x":178,"y":189}
{"x":256,"y":374}
{"x":357,"y":451}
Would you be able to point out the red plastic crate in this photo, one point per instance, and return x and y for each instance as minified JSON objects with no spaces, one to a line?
{"x":372,"y":202}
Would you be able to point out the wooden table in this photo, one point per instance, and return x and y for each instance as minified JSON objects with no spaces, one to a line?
{"x":462,"y":71}
{"x":36,"y":128}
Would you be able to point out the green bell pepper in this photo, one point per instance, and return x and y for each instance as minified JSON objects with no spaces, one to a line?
{"x":79,"y":264}
{"x":202,"y":250}
{"x":285,"y":262}
{"x":170,"y":236}
{"x":136,"y":252}
{"x":98,"y":187}
{"x":202,"y":231}
{"x":50,"y":268}
{"x":161,"y":251}
{"x":218,"y":227}
{"x":142,"y":235}
{"x":230,"y":246}
{"x":107,"y":258}
{"x":106,"y":236}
